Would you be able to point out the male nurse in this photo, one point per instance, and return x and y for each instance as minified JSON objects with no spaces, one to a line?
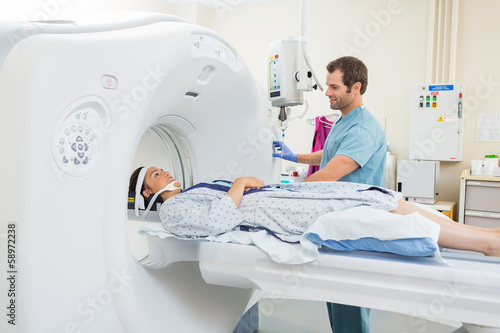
{"x":354,"y":151}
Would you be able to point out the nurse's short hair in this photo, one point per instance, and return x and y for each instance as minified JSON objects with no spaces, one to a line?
{"x":353,"y":70}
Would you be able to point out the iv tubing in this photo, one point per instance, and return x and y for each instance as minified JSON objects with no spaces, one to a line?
{"x":302,"y":114}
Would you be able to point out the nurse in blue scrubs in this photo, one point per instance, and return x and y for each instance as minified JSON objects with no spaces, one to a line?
{"x":354,"y":151}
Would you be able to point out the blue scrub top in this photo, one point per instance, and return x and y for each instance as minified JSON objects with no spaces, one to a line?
{"x":359,"y":136}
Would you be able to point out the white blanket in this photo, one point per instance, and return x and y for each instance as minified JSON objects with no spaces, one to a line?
{"x":351,"y":224}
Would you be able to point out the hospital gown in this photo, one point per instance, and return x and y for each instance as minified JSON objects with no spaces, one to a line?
{"x":207,"y":210}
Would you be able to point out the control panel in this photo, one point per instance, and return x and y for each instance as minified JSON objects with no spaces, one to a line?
{"x":283,"y":71}
{"x":80,"y":134}
{"x":436,"y":122}
{"x":274,"y":76}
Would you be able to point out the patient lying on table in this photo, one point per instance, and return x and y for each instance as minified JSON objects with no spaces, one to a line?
{"x":209,"y":209}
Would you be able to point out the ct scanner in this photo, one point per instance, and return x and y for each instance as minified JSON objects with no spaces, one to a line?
{"x":84,"y":103}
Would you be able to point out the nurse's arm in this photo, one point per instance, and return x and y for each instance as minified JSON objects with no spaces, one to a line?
{"x":336,"y":168}
{"x":310,"y":158}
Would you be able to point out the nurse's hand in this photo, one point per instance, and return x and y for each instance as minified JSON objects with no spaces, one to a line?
{"x":282,"y":151}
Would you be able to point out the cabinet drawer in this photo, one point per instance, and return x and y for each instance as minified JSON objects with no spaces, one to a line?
{"x":482,"y":195}
{"x":482,"y":219}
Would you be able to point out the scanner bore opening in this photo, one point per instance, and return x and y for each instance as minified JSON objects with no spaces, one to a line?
{"x":163,"y":147}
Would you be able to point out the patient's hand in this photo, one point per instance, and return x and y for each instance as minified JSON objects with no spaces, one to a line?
{"x":251,"y":182}
{"x":242,"y":184}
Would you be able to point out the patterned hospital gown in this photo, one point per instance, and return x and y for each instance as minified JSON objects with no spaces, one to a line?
{"x":206,"y":209}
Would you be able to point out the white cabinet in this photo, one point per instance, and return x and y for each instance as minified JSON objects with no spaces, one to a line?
{"x":479,"y":200}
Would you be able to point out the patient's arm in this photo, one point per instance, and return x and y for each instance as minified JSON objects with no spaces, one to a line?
{"x":242,"y":184}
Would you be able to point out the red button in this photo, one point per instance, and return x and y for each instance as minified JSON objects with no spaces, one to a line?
{"x":276,"y":56}
{"x":460,"y":95}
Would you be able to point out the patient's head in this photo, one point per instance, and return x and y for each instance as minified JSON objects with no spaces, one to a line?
{"x":155,"y":179}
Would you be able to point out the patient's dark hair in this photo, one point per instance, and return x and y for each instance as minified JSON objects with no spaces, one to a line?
{"x":133,"y":183}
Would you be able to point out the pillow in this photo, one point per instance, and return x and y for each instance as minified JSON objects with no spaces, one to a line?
{"x":406,"y":247}
{"x":369,"y":229}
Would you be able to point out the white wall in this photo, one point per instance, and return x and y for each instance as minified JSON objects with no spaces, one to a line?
{"x":478,"y":66}
{"x":394,"y":47}
{"x":390,"y":36}
{"x":379,"y":32}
